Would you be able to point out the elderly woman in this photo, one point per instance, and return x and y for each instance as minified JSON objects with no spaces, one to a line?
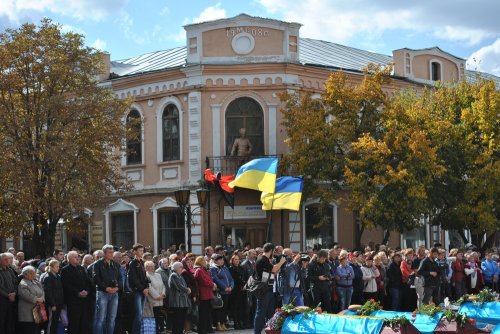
{"x":178,"y":300}
{"x":474,"y":275}
{"x":206,"y":288}
{"x":53,"y":288}
{"x":188,"y":275}
{"x":154,"y":300}
{"x":30,"y":294}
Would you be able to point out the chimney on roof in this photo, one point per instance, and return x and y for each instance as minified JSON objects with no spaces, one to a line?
{"x":105,"y":66}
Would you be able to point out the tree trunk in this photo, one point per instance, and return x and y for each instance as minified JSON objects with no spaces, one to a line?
{"x":360,"y":228}
{"x":387,"y":235}
{"x":462,"y":234}
{"x":489,"y":242}
{"x":477,"y":239}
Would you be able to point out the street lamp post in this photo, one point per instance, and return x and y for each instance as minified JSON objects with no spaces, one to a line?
{"x":182,"y":199}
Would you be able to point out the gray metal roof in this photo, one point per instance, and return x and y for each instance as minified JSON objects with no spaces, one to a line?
{"x":317,"y":52}
{"x":312,"y":52}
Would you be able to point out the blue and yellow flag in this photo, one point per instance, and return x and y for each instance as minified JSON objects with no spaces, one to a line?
{"x":287,"y":195}
{"x":257,"y":174}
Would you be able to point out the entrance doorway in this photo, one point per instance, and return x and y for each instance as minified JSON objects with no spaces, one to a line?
{"x":255,"y":235}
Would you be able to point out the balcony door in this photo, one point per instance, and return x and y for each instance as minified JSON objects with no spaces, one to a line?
{"x":246,"y":113}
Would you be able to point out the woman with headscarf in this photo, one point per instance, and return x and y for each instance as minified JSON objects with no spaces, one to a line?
{"x":30,"y":293}
{"x":188,"y":275}
{"x":206,"y":287}
{"x":225,"y":283}
{"x":178,"y":300}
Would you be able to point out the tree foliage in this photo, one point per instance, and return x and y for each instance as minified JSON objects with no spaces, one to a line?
{"x":59,"y":131}
{"x":431,"y":151}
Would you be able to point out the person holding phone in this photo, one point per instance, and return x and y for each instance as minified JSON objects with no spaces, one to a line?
{"x":320,"y":277}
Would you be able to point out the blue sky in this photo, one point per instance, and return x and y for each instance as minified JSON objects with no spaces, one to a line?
{"x":126,"y":28}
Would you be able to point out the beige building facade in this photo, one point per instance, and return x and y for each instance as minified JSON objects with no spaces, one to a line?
{"x":191,"y":102}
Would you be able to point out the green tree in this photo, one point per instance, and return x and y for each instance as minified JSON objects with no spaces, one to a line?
{"x":321,"y":131}
{"x":61,"y":132}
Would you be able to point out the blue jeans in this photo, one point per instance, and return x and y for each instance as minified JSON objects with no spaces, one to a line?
{"x":344,"y":296}
{"x":396,"y":299}
{"x":264,"y":311}
{"x":106,"y":305}
{"x":139,"y":300}
{"x":288,"y":296}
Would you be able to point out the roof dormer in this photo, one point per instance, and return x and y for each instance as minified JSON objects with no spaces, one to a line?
{"x":242,"y":39}
{"x":428,"y":65}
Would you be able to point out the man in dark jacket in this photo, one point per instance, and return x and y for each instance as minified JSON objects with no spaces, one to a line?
{"x":76,"y":286}
{"x":138,"y":283}
{"x":395,"y":278}
{"x":107,"y":279}
{"x":319,"y":275}
{"x":8,"y":292}
{"x":429,"y":270}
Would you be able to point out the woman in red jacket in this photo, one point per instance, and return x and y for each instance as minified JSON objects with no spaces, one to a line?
{"x":206,"y":287}
{"x":458,"y":275}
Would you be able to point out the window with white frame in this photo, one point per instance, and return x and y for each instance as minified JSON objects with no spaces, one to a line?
{"x":170,"y":228}
{"x":245,"y":113}
{"x":134,"y":138}
{"x":435,"y":71}
{"x":122,"y":229}
{"x":170,"y":133}
{"x":319,"y":226}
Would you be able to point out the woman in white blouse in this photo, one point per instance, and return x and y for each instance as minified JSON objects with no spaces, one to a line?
{"x":154,"y":301}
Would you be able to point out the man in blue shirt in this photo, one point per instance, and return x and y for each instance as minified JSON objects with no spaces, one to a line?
{"x":344,"y":276}
{"x":490,"y":269}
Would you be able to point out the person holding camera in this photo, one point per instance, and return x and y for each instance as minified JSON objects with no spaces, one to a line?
{"x":264,"y":272}
{"x":107,"y":278}
{"x":294,"y":284}
{"x":320,"y":277}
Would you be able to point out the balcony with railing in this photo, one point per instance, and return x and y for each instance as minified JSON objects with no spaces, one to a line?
{"x":227,"y":165}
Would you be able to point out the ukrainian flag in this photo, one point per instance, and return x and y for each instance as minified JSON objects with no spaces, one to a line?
{"x":287,"y":195}
{"x":257,"y":174}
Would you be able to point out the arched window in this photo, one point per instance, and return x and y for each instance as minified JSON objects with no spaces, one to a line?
{"x":246,"y":113}
{"x":134,"y":138}
{"x":170,"y":135}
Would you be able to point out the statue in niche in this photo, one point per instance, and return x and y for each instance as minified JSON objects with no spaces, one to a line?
{"x":242,"y":147}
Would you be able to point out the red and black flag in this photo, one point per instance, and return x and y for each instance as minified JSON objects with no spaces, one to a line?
{"x":221,"y":182}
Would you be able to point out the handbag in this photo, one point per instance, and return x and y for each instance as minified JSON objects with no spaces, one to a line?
{"x":217,"y":301}
{"x":40,"y":313}
{"x":256,"y":287}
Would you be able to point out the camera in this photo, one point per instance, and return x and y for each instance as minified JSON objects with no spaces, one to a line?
{"x":113,"y":284}
{"x":305,"y":258}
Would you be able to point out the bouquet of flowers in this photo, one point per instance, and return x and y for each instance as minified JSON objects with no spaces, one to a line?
{"x":278,"y":319}
{"x":428,"y":309}
{"x":369,"y":307}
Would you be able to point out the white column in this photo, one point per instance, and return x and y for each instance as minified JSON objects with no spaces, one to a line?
{"x":216,"y":133}
{"x":194,"y":137}
{"x":272,"y":128}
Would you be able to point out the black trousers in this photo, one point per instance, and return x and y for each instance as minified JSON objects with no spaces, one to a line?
{"x":324,"y":297}
{"x":53,"y":319}
{"x":370,"y":295}
{"x":239,"y":307}
{"x":431,"y":291}
{"x":178,"y":319}
{"x":7,"y":317}
{"x":79,"y":320}
{"x":205,"y":314}
{"x":220,"y":315}
{"x":28,"y":328}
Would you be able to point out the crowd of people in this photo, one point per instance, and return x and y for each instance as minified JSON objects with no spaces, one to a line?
{"x":135,"y":291}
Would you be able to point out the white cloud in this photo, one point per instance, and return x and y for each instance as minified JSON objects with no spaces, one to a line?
{"x":69,"y":28}
{"x":367,"y":20}
{"x":126,"y":23}
{"x":164,"y":11}
{"x":211,"y":13}
{"x":99,"y":44}
{"x":486,"y":59}
{"x":461,"y":34}
{"x":94,"y":10}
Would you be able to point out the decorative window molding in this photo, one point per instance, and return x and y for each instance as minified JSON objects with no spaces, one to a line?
{"x":159,"y":125}
{"x":138,"y":108}
{"x":120,"y":206}
{"x":313,"y":202}
{"x":435,"y":68}
{"x":168,"y":202}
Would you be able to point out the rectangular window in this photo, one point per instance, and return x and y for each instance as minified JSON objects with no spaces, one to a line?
{"x":436,"y":71}
{"x":170,"y":228}
{"x":319,"y":227}
{"x":122,"y":230}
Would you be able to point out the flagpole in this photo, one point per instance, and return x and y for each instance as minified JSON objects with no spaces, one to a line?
{"x":269,"y":226}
